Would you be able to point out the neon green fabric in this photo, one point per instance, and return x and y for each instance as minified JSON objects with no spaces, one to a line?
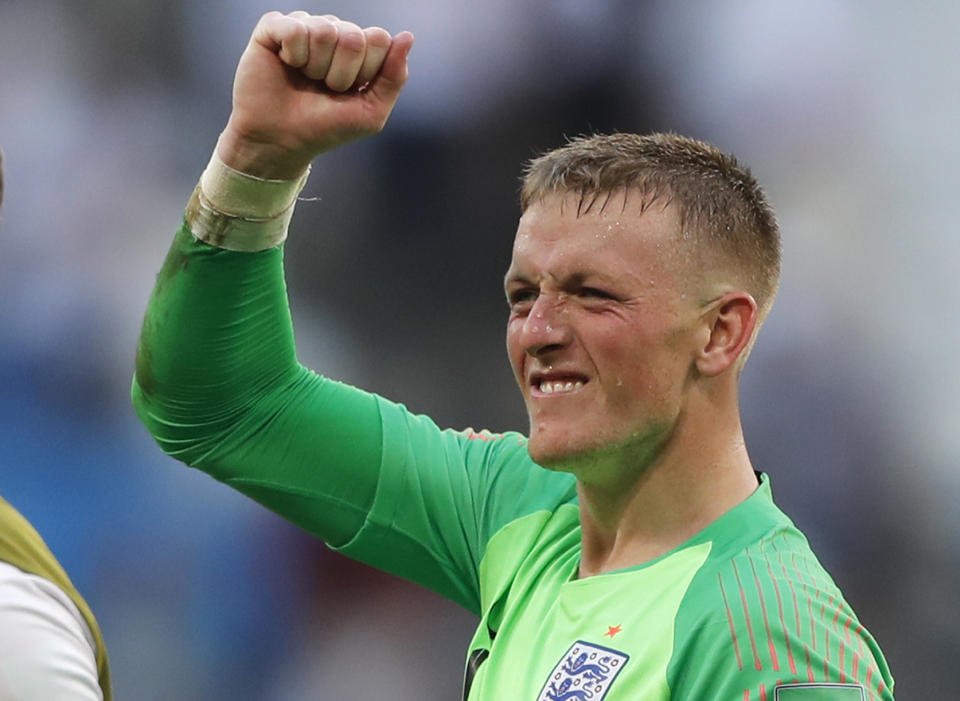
{"x":740,"y":609}
{"x":218,"y":386}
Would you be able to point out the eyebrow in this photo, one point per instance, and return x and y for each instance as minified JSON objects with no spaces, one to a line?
{"x":513,"y":278}
{"x":512,"y":275}
{"x":574,"y":279}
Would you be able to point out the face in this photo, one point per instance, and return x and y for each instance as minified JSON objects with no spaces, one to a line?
{"x":600,"y":333}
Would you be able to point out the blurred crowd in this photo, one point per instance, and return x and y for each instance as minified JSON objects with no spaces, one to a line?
{"x":846,"y":112}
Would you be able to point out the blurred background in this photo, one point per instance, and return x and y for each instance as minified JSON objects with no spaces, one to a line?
{"x":846,"y":112}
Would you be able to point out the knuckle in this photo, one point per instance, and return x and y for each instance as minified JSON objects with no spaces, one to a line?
{"x":323,"y":32}
{"x":270,"y":20}
{"x":377,"y":36}
{"x":350,"y":38}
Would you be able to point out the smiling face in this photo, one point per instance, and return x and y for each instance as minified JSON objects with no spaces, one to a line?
{"x":601,"y":333}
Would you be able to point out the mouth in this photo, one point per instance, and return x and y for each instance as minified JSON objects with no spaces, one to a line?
{"x":546,"y":386}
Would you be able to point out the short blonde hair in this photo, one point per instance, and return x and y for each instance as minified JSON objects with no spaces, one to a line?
{"x":719,"y":203}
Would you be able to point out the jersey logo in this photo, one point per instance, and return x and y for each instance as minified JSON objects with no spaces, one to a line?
{"x":819,"y":692}
{"x":584,"y":673}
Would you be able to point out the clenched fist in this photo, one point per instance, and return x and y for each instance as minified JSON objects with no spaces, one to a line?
{"x":306,"y":84}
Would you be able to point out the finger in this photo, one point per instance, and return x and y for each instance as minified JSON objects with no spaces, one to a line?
{"x":347,"y":57}
{"x":301,"y":14}
{"x":322,"y":43}
{"x":378,"y":43}
{"x":285,"y":36}
{"x":386,"y":86}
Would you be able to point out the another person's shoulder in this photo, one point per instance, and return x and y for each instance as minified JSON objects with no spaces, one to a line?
{"x":47,"y":648}
{"x":40,"y":624}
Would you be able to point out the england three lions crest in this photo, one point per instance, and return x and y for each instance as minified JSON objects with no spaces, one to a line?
{"x":584,"y":673}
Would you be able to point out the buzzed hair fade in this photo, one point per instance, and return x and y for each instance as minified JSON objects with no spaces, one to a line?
{"x":718,"y":201}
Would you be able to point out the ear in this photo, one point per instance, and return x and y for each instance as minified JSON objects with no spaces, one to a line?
{"x":731,"y":321}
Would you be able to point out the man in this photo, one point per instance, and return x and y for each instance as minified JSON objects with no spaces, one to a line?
{"x":50,"y":644}
{"x":648,"y":560}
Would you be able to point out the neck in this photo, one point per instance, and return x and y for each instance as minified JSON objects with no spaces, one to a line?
{"x":701,"y":472}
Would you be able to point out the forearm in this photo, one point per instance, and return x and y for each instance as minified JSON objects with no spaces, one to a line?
{"x":216,"y":338}
{"x":219,"y":387}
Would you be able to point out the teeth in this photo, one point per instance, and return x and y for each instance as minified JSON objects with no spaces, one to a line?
{"x":559,"y":386}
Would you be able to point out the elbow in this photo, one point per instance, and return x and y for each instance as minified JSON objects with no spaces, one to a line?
{"x":157,"y":419}
{"x":177,"y":435}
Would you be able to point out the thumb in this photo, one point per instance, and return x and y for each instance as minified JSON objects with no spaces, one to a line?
{"x":389,"y":82}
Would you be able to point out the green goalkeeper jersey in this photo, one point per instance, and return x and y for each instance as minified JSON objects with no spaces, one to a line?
{"x":742,"y":611}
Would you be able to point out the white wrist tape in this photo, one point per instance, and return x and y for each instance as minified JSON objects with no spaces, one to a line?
{"x":241,"y":212}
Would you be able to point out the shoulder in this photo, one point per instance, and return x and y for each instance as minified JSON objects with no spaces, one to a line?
{"x":769,"y":614}
{"x":503,"y":476}
{"x":46,"y":647}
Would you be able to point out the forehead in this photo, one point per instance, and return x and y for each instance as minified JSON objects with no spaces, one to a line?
{"x":617,"y":234}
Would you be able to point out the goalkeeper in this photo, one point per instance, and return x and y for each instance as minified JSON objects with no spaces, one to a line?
{"x":626,"y":548}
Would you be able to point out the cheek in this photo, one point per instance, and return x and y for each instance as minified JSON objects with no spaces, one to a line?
{"x":514,"y":349}
{"x":641,"y":373}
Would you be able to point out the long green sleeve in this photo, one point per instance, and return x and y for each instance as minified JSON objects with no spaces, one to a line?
{"x":219,"y":387}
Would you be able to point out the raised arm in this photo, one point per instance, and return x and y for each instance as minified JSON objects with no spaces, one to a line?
{"x":217,"y":381}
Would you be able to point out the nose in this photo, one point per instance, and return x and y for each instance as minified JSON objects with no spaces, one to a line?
{"x":546,"y":327}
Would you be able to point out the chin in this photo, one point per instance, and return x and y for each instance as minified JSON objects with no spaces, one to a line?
{"x":558,"y":455}
{"x":582,"y":455}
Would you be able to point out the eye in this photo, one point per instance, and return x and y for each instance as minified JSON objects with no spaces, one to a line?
{"x":594,"y":293}
{"x":522,"y":298}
